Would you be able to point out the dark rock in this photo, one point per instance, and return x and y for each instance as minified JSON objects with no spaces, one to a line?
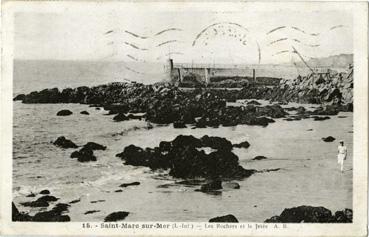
{"x":328,"y":139}
{"x":179,"y":124}
{"x":344,"y":216}
{"x":306,"y":214}
{"x":317,"y":118}
{"x":228,"y":218}
{"x":118,"y":191}
{"x":50,"y":216}
{"x":90,"y":212}
{"x":40,"y":202}
{"x":60,"y":207}
{"x":84,"y":112}
{"x":116,"y":216}
{"x":186,"y":141}
{"x":97,"y":201}
{"x":64,"y":143}
{"x":218,"y":143}
{"x":244,"y":144}
{"x":84,"y":155}
{"x":120,"y":117}
{"x":31,"y":195}
{"x":259,"y":158}
{"x":48,"y":198}
{"x":74,"y":201}
{"x":64,"y":112}
{"x":211,"y":186}
{"x":129,"y":184}
{"x":19,"y":216}
{"x":94,"y":146}
{"x":184,"y":160}
{"x":45,"y":191}
{"x":19,"y":97}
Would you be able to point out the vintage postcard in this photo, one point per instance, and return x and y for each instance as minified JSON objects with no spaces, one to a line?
{"x":174,"y":118}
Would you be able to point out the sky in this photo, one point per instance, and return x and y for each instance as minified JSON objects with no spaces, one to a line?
{"x":202,"y":35}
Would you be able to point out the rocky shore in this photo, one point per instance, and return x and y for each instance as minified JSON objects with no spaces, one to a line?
{"x":202,"y":107}
{"x":209,"y":159}
{"x":185,"y":159}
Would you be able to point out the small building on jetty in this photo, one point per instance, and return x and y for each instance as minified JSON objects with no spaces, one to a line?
{"x":216,"y":75}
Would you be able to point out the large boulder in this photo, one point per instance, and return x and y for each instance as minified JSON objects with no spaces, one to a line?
{"x":306,"y":214}
{"x":84,"y":155}
{"x":244,"y":144}
{"x":64,"y":143}
{"x":184,"y":159}
{"x":19,"y":97}
{"x":116,"y":216}
{"x":328,"y":139}
{"x":227,"y":218}
{"x":64,"y":112}
{"x":94,"y":146}
{"x":218,"y":143}
{"x":19,"y":216}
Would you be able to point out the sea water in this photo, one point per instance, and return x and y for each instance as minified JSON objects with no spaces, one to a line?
{"x":308,"y":175}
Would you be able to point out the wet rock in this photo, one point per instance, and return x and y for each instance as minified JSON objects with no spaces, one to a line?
{"x":129,"y":184}
{"x":84,"y":155}
{"x":19,"y":216}
{"x":19,"y":97}
{"x":60,"y":207}
{"x":183,"y":159}
{"x":244,"y":144}
{"x":84,"y":112}
{"x":48,"y":198}
{"x":116,"y":216}
{"x":328,"y":139}
{"x":74,"y":201}
{"x":97,"y":201}
{"x":306,"y":214}
{"x":35,"y":204}
{"x":179,"y":124}
{"x":94,"y":146}
{"x":120,"y":117}
{"x":64,"y":143}
{"x":317,"y":118}
{"x":211,"y":186}
{"x":259,"y":158}
{"x":228,"y":218}
{"x":344,"y":216}
{"x":118,"y":191}
{"x":64,"y":112}
{"x":90,"y":212}
{"x":186,"y":141}
{"x":50,"y":216}
{"x":40,"y":202}
{"x":231,"y":185}
{"x":45,"y":191}
{"x":218,"y":143}
{"x":97,"y":108}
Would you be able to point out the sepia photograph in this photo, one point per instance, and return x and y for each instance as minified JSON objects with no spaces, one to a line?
{"x":189,"y":113}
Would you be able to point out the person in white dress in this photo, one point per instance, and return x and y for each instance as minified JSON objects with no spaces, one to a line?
{"x":342,"y":154}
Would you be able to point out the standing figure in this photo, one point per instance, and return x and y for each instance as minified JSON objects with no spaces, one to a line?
{"x":342,"y":154}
